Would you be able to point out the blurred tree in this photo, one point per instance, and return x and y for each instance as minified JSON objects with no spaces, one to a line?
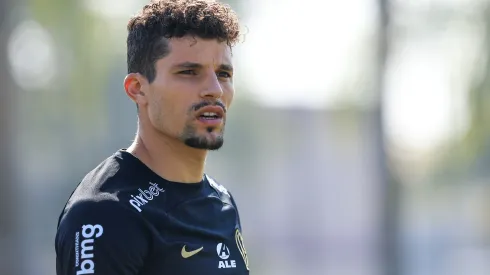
{"x":389,"y":186}
{"x":84,"y":51}
{"x":7,"y":214}
{"x":477,"y":142}
{"x":469,"y":157}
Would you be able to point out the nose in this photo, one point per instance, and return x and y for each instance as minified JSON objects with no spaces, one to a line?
{"x":212,"y":87}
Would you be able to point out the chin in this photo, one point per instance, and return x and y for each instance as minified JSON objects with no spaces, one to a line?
{"x":205,"y":143}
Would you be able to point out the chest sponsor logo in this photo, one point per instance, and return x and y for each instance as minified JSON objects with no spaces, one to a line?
{"x":224,"y":254}
{"x":86,"y":255}
{"x":144,"y":196}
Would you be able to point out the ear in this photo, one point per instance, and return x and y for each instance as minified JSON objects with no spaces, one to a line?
{"x":134,"y":84}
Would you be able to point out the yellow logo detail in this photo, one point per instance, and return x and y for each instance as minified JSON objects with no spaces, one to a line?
{"x":187,"y":254}
{"x":241,"y":247}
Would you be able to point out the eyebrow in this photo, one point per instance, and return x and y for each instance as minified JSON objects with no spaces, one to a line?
{"x":192,"y":65}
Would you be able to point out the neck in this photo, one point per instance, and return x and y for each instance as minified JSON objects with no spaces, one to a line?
{"x":168,"y":157}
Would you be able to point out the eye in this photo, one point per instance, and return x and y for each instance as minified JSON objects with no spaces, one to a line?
{"x":224,"y":74}
{"x":188,"y":72}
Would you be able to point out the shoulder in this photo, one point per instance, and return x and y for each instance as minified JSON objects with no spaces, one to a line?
{"x":102,"y":235}
{"x":221,"y":190}
{"x":217,"y":186}
{"x":103,"y":211}
{"x":106,"y":220}
{"x":110,"y":170}
{"x":97,"y":199}
{"x":100,"y":188}
{"x":225,"y":196}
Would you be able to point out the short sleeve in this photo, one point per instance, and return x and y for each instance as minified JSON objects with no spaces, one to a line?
{"x":100,"y":238}
{"x":237,"y":211}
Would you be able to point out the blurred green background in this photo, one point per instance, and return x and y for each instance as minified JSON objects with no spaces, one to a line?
{"x":358,"y":143}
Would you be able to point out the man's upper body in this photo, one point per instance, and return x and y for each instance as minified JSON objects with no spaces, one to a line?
{"x":150,"y":209}
{"x":123,"y":219}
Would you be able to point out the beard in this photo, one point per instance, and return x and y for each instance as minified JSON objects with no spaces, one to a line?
{"x":191,"y":138}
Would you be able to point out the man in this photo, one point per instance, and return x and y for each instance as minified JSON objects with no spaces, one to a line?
{"x":150,"y":209}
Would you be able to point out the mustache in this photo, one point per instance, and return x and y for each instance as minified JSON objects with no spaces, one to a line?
{"x":203,"y":104}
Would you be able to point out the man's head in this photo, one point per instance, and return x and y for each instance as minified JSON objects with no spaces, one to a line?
{"x":180,"y":71}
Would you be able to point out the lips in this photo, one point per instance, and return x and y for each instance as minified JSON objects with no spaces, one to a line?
{"x":210,"y":113}
{"x":210,"y":116}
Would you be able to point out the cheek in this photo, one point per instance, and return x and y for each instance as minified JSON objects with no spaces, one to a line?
{"x":167,"y":118}
{"x":155,"y":112}
{"x":228,"y":94}
{"x":175,"y":110}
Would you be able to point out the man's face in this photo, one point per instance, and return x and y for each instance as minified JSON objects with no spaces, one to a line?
{"x":192,"y":91}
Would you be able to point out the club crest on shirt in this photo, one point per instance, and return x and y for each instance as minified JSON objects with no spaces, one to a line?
{"x":241,"y":247}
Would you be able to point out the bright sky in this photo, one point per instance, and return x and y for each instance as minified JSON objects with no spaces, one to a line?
{"x":426,"y":101}
{"x":297,"y":53}
{"x":425,"y":97}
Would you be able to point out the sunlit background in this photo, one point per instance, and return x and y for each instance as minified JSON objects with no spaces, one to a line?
{"x":358,"y":143}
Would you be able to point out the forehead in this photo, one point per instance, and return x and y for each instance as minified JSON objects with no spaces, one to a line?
{"x":208,"y":52}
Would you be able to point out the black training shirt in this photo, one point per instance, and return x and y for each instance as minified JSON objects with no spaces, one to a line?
{"x":123,"y":219}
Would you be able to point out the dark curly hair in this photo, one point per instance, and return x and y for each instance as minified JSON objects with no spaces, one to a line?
{"x":150,"y":29}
